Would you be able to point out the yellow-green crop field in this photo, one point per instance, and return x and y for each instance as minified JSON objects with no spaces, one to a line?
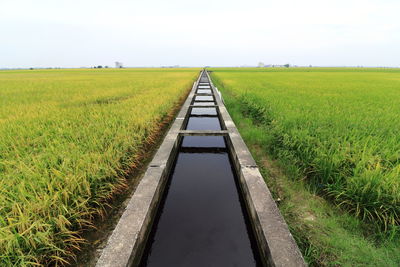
{"x":66,"y":139}
{"x":339,"y":126}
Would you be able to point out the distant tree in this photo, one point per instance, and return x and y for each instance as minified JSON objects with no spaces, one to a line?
{"x":286,"y":65}
{"x":106,"y":67}
{"x":31,"y":68}
{"x":99,"y":66}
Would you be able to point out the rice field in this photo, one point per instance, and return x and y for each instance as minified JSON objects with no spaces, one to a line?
{"x":339,"y":126}
{"x":67,"y":137}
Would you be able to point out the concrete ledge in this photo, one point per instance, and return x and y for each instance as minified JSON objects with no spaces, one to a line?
{"x":276,"y":244}
{"x":132,"y":224}
{"x":205,"y":106}
{"x":202,"y":133}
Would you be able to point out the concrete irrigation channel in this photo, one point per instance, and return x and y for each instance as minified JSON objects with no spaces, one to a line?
{"x":202,"y":200}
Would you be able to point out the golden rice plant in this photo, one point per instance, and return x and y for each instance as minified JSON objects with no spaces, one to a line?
{"x":66,"y":139}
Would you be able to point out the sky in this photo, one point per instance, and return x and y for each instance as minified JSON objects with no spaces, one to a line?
{"x":150,"y":33}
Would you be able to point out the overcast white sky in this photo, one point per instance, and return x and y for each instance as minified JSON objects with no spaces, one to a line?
{"x":42,"y":33}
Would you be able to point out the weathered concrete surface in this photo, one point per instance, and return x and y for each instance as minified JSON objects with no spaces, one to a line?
{"x":274,"y":239}
{"x":204,"y":94}
{"x":130,"y":232}
{"x":203,"y":133}
{"x":204,"y":106}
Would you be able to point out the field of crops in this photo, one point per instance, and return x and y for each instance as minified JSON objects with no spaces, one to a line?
{"x":66,"y":138}
{"x":340,"y":126}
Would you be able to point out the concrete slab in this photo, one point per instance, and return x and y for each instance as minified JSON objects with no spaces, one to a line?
{"x":202,"y":133}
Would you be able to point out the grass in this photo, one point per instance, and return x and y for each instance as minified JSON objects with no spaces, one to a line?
{"x":67,"y":138}
{"x":334,"y":133}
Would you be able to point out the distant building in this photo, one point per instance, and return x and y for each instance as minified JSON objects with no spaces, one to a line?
{"x":118,"y":65}
{"x":261,"y":65}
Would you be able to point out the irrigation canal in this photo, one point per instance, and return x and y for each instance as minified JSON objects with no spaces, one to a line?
{"x":202,"y":219}
{"x":202,"y":211}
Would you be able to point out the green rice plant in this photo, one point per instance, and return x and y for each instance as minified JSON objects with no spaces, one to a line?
{"x":339,"y":126}
{"x":67,"y":138}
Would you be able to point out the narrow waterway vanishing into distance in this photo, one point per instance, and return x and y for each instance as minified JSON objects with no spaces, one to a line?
{"x":202,"y":219}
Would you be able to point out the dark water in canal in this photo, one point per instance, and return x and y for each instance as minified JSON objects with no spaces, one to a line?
{"x":202,"y":220}
{"x":206,"y":123}
{"x":203,"y":119}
